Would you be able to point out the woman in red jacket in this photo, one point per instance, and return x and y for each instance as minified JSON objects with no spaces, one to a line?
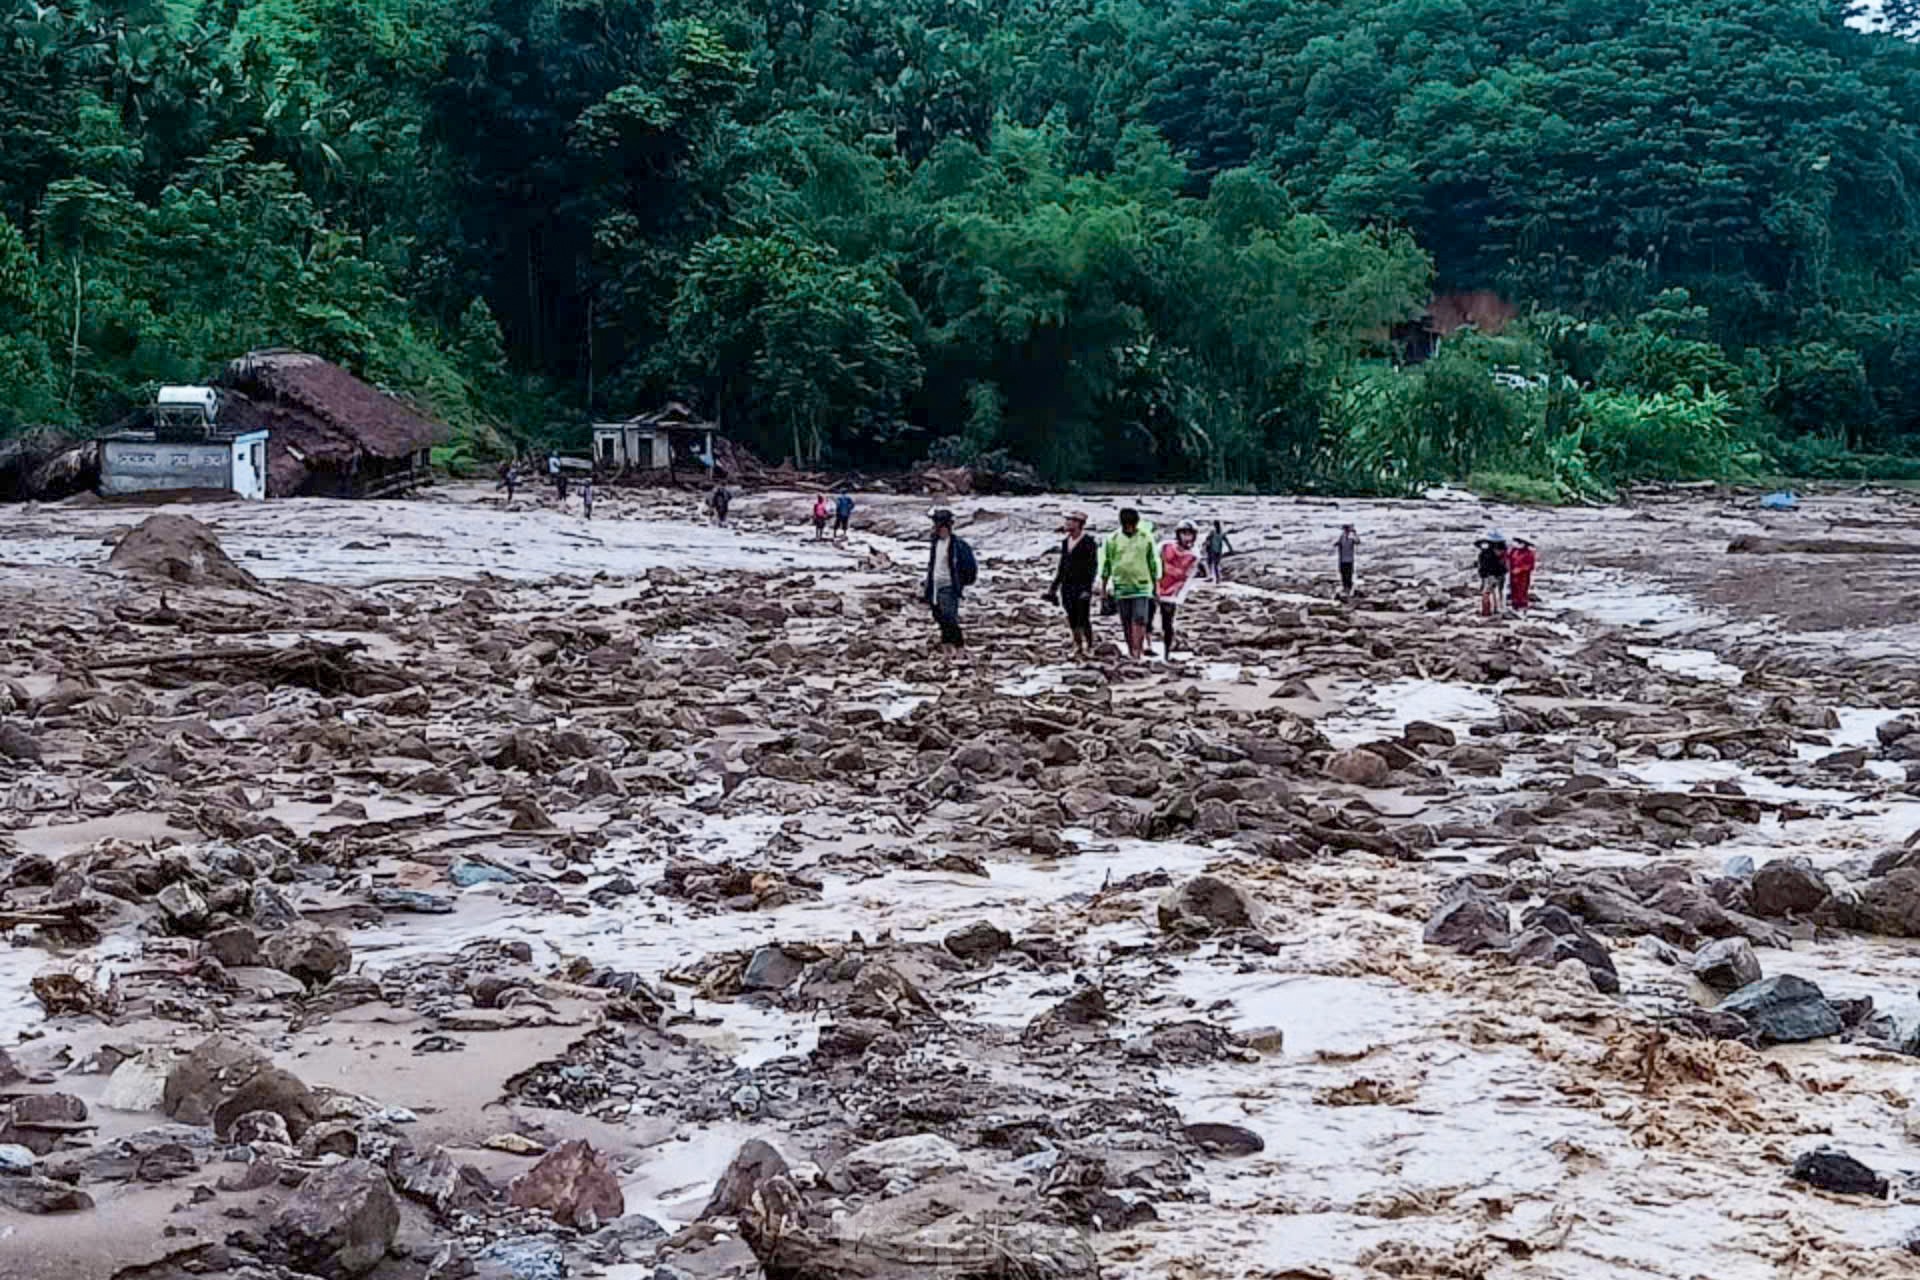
{"x":1520,"y":562}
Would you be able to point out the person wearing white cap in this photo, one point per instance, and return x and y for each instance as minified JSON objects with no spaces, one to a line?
{"x":1493,"y":572}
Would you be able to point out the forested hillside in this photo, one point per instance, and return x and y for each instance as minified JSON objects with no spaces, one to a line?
{"x":1113,"y":239}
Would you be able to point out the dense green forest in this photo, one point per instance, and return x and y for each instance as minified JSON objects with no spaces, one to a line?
{"x":1112,"y":239}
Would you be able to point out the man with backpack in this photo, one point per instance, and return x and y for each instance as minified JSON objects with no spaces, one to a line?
{"x":951,"y":569}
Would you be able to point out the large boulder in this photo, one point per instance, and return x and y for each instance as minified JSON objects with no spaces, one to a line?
{"x":1834,"y":1170}
{"x":308,"y":952}
{"x":178,"y":548}
{"x":1786,"y":887}
{"x":224,"y":1078}
{"x":1727,"y":965}
{"x":573,"y":1183}
{"x":1468,"y":921}
{"x":1206,"y":903}
{"x":1552,"y":936}
{"x":1358,"y":767}
{"x":1891,"y":904}
{"x":1783,"y":1010}
{"x":752,"y":1165}
{"x":340,"y":1223}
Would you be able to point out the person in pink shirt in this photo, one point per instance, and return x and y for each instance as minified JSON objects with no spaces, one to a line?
{"x":1178,"y":560}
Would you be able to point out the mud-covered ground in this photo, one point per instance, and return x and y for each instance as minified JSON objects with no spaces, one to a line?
{"x":433,"y":888}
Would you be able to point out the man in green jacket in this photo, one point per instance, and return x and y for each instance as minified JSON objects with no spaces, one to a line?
{"x":1129,"y":568}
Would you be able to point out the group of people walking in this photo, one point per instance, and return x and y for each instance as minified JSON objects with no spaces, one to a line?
{"x":1136,"y":577}
{"x":841,"y":510}
{"x":510,"y":478}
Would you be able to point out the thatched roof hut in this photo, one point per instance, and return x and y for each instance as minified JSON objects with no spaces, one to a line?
{"x":330,"y":433}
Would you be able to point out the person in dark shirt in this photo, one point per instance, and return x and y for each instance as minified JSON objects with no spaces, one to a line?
{"x":1073,"y":577}
{"x":1492,"y":564}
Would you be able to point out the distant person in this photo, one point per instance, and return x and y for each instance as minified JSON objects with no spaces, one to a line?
{"x":951,"y":569}
{"x":1129,"y":571}
{"x":842,"y":515}
{"x":1073,"y":578}
{"x":719,"y":500}
{"x":1520,"y":562}
{"x":509,"y":477}
{"x":819,"y":516}
{"x":1492,"y":564}
{"x":554,"y":477}
{"x":586,"y":497}
{"x":1217,"y":548}
{"x":560,"y":486}
{"x":1344,"y":547}
{"x":1178,"y":560}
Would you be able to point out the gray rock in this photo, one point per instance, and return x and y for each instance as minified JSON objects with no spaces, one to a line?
{"x":15,"y":1158}
{"x":30,"y":1193}
{"x":978,"y":941}
{"x":1224,"y":1139}
{"x":183,"y":907}
{"x":522,"y":1258}
{"x":17,"y":744}
{"x":1357,"y":767}
{"x":237,"y":946}
{"x":308,"y":952}
{"x":1421,"y":733}
{"x":1891,"y":904}
{"x":271,"y":910}
{"x":1783,"y":1010}
{"x":1833,"y":1170}
{"x":1469,"y":921}
{"x":1552,"y":936}
{"x":753,"y":1164}
{"x":1787,"y":887}
{"x":412,"y":901}
{"x":771,"y":969}
{"x":1727,"y":965}
{"x":340,"y":1223}
{"x":1206,"y":903}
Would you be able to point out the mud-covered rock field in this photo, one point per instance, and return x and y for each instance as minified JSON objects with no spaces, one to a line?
{"x":443,"y":888}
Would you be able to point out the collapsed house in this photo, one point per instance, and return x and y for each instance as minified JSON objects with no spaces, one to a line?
{"x":668,"y":439}
{"x":185,"y":449}
{"x":328,"y":433}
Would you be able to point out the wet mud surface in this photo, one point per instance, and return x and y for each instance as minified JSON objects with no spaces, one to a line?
{"x":439,"y":888}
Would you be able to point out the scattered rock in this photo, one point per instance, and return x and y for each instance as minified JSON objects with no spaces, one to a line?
{"x":1833,"y":1170}
{"x":1783,"y":1010}
{"x":17,"y":744}
{"x":340,"y":1222}
{"x":1786,"y":887}
{"x":1224,"y":1139}
{"x":1422,"y":733}
{"x":1469,"y":921}
{"x":33,"y":1194}
{"x":1207,"y":903}
{"x":751,"y":1166}
{"x":1357,"y":767}
{"x":308,"y":952}
{"x":771,"y":969}
{"x":1727,"y":965}
{"x":574,"y":1184}
{"x":898,"y":1163}
{"x":1891,"y":904}
{"x":978,"y":941}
